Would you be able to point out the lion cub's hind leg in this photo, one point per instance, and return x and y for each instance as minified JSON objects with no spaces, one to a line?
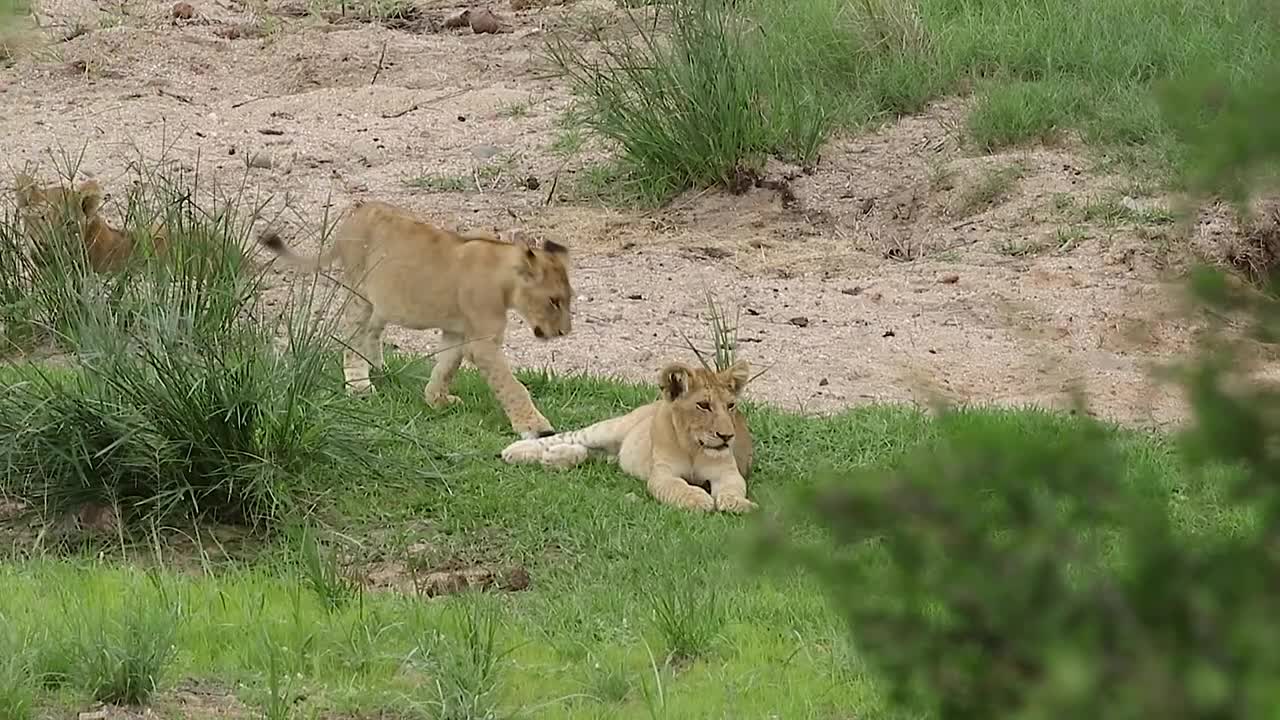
{"x":565,"y":456}
{"x":356,"y":358}
{"x":448,"y":359}
{"x":567,"y":449}
{"x":557,"y":451}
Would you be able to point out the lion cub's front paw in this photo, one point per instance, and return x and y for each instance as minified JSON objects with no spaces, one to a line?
{"x":735,"y":504}
{"x":443,"y":401}
{"x":692,"y":498}
{"x":522,"y":451}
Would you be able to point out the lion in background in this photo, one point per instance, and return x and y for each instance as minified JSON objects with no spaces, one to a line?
{"x":405,"y":271}
{"x":693,"y":433}
{"x":76,"y":212}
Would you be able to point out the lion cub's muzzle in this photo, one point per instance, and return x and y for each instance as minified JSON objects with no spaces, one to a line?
{"x":717,"y":442}
{"x":542,"y":334}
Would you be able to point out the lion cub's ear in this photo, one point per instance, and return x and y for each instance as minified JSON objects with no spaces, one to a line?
{"x":736,"y":376}
{"x":674,"y":380}
{"x":528,"y":263}
{"x":90,"y":197}
{"x":528,"y":257}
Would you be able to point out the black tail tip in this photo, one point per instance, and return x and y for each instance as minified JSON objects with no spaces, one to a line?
{"x":271,"y":240}
{"x":546,"y":433}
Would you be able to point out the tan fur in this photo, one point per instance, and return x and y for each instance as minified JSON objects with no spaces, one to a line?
{"x":77,"y":211}
{"x":407,"y":272}
{"x":693,"y":434}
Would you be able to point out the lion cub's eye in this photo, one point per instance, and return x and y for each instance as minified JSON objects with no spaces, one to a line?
{"x":731,"y":406}
{"x":705,"y":406}
{"x":555,"y":303}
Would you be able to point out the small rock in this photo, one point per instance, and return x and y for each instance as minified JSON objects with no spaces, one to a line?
{"x":10,"y":508}
{"x":823,"y":382}
{"x":270,"y":131}
{"x":709,"y":252}
{"x":183,"y":11}
{"x":532,"y":183}
{"x":262,"y":161}
{"x":364,"y":150}
{"x":949,"y":279}
{"x":483,"y":21}
{"x":98,"y":518}
{"x":799,"y":321}
{"x":888,"y":334}
{"x":518,"y":579}
{"x":293,"y":10}
{"x":635,"y":296}
{"x":855,"y":290}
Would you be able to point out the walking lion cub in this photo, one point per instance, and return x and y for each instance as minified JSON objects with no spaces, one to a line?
{"x":407,"y":272}
{"x":692,"y":434}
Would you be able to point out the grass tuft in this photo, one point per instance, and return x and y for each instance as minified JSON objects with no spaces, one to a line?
{"x":468,"y":664}
{"x":688,"y":618}
{"x":991,"y":188}
{"x":730,"y":84}
{"x":322,"y":574}
{"x":699,"y":91}
{"x":123,"y":652}
{"x":17,"y":699}
{"x":177,"y":397}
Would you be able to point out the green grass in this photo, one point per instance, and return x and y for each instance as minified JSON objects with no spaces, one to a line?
{"x":1111,"y":210}
{"x":180,"y":407}
{"x":634,"y":608}
{"x":732,"y":83}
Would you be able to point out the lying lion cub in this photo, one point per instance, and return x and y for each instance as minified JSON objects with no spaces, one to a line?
{"x":693,"y":434}
{"x":407,"y":272}
{"x":77,"y":210}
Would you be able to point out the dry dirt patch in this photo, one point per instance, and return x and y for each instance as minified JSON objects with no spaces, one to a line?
{"x":900,"y":267}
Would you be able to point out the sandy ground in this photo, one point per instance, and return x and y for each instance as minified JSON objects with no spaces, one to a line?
{"x":892,"y":276}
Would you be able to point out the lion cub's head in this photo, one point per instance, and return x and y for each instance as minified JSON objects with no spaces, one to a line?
{"x":71,"y":209}
{"x":74,"y":213}
{"x":543,"y":294}
{"x":703,"y":403}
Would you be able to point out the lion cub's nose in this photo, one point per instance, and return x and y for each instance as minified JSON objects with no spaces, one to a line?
{"x":723,"y":437}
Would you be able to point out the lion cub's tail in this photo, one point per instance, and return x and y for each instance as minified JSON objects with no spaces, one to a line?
{"x":312,"y":263}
